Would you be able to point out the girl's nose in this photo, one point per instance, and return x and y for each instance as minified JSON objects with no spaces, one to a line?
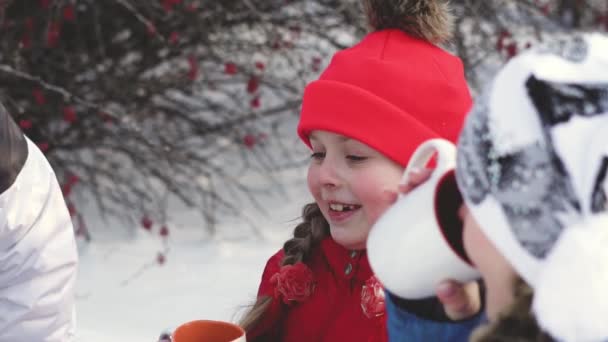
{"x":329,"y":173}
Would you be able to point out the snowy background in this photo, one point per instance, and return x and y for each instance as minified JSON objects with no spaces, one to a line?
{"x":215,"y":81}
{"x":124,"y":294}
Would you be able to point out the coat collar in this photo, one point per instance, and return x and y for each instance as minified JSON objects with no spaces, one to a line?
{"x":14,"y":150}
{"x":345,"y":263}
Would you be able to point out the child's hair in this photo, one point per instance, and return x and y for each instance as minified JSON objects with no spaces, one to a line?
{"x":517,"y":323}
{"x":306,"y":237}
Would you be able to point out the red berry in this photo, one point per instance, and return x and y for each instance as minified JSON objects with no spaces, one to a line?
{"x":25,"y":124}
{"x":146,"y":223}
{"x":500,"y":43}
{"x":511,"y":50}
{"x":160,"y":258}
{"x":174,"y":37}
{"x":66,"y":189}
{"x":71,"y":209}
{"x":68,"y":13}
{"x":73,"y":179}
{"x":164,"y":231}
{"x":546,"y":9}
{"x":168,"y":5}
{"x":43,"y":146}
{"x":52,"y":35}
{"x":230,"y":68}
{"x":260,"y":66}
{"x":194,"y":69}
{"x":249,"y":141}
{"x":316,"y":64}
{"x":255,"y":102}
{"x":69,"y":114}
{"x":151,"y":29}
{"x":253,"y":84}
{"x":39,"y":96}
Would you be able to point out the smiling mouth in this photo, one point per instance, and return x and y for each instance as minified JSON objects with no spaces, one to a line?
{"x":339,"y":207}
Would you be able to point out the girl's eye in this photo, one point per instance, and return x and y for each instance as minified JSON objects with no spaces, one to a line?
{"x":317,"y":155}
{"x":355,"y":158}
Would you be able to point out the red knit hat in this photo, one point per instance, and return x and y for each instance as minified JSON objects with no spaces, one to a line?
{"x":391,"y":91}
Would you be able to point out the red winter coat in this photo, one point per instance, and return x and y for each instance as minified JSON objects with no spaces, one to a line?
{"x":333,"y":312}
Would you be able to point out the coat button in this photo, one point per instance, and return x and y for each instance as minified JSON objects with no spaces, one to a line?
{"x":348,"y":269}
{"x":353,"y":254}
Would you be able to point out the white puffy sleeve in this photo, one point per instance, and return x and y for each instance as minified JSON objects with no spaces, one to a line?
{"x":38,"y":256}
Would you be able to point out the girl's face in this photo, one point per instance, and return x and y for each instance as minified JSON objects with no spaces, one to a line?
{"x":498,"y":275}
{"x":349,"y":181}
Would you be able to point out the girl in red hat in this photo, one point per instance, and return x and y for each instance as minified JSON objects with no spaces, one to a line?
{"x":362,"y":119}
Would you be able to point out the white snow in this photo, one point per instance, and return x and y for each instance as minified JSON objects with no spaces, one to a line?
{"x":123,"y":294}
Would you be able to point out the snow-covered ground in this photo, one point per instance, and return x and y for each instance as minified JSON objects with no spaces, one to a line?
{"x":124,"y":294}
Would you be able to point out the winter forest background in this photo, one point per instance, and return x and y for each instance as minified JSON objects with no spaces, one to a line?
{"x":171,"y":126}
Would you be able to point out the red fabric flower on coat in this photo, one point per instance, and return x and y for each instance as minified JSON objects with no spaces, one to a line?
{"x":372,"y":298}
{"x":293,"y":283}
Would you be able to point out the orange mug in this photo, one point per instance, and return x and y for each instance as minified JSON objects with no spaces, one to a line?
{"x":208,"y":331}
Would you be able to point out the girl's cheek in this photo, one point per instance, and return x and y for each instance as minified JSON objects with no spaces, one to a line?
{"x":383,"y":203}
{"x":312,"y":178}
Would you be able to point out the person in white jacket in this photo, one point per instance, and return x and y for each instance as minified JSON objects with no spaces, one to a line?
{"x":38,"y":255}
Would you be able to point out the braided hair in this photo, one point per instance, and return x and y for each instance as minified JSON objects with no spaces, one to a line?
{"x":306,"y":237}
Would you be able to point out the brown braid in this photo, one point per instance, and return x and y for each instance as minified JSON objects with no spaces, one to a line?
{"x":517,"y":324}
{"x":306,"y":236}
